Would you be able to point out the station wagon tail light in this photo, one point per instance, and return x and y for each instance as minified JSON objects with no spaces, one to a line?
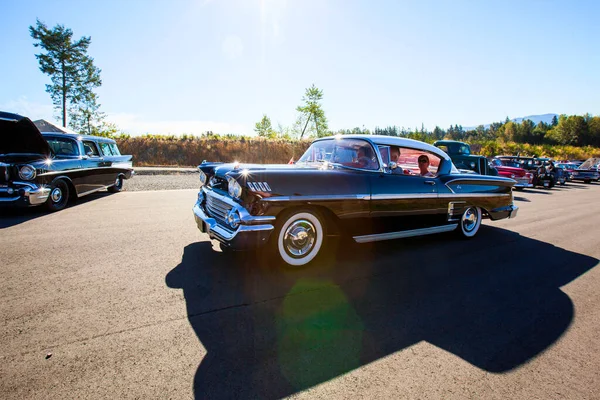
{"x":27,"y":172}
{"x":202,"y":178}
{"x":234,"y":188}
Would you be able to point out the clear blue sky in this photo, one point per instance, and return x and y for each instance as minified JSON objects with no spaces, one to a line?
{"x":192,"y":65}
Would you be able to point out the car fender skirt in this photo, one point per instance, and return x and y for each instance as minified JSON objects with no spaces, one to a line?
{"x":503,"y":212}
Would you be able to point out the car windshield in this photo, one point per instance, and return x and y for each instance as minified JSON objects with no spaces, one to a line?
{"x":353,"y":153}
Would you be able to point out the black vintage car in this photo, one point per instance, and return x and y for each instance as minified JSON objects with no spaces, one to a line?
{"x":51,"y":168}
{"x":369,"y":188}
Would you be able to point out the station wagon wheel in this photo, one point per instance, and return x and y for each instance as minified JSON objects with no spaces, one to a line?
{"x":59,"y":196}
{"x":117,"y":186}
{"x":299,"y":237}
{"x":470,"y":222}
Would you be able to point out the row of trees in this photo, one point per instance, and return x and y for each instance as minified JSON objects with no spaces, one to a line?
{"x":572,"y":130}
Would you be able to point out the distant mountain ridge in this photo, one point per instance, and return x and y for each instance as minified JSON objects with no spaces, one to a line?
{"x":536,"y":119}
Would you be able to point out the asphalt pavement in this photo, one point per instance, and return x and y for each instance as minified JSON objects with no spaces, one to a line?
{"x":119,"y":296}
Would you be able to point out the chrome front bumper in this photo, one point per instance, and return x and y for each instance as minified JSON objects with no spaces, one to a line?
{"x":23,"y":194}
{"x":252,"y":232}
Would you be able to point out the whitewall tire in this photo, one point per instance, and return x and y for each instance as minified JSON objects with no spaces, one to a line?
{"x":470,"y":221}
{"x":300,"y":237}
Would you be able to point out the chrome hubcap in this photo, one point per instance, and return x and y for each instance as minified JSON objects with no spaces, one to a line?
{"x":299,"y":238}
{"x":118,"y":182}
{"x":469,"y":220}
{"x":56,"y":195}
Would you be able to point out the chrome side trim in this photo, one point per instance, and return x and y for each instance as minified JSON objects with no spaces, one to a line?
{"x":459,"y":195}
{"x":451,"y":210}
{"x":404,"y":234}
{"x":93,"y":190}
{"x":9,"y":199}
{"x":325,"y":197}
{"x":67,"y":171}
{"x":486,"y":179}
{"x":404,"y":196}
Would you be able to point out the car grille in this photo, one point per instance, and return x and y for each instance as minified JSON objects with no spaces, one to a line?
{"x":217,"y":208}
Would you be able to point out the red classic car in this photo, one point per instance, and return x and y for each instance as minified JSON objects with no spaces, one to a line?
{"x":507,"y":169}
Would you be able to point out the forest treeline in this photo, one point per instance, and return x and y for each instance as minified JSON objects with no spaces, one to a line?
{"x":192,"y":150}
{"x":571,"y":130}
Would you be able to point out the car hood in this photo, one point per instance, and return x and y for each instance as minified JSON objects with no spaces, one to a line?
{"x":19,"y":136}
{"x":238,"y":169}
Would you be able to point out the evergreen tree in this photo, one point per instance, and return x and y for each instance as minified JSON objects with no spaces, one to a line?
{"x":264,"y":128}
{"x":71,"y":69}
{"x":312,"y":113}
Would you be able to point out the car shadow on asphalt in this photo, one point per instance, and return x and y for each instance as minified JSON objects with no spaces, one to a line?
{"x":11,"y":216}
{"x":494,"y":301}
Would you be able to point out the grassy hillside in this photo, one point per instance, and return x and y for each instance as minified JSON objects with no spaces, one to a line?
{"x":190,"y":151}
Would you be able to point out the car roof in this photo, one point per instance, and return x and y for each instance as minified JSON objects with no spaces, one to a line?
{"x":79,"y":137}
{"x":393,"y":141}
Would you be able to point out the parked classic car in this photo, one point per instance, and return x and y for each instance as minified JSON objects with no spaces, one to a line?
{"x":461,"y":156}
{"x":509,"y":169}
{"x":568,"y":169}
{"x":345,"y":185}
{"x":51,"y":168}
{"x":587,"y":171}
{"x":540,"y":168}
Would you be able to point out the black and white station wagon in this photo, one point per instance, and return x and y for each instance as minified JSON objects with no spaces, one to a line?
{"x":51,"y":168}
{"x":370,"y":188}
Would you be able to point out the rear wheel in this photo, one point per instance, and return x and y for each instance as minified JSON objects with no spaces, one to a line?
{"x":59,"y":196}
{"x":298,"y":237}
{"x":470,"y":222}
{"x":117,"y":186}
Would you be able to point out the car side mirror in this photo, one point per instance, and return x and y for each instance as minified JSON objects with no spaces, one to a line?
{"x":393,"y":165}
{"x":90,"y":154}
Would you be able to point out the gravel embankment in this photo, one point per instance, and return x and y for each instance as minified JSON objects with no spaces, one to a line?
{"x":162,"y":182}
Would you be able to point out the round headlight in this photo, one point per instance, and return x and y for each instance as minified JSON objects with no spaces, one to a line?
{"x":472,"y":164}
{"x":27,"y":172}
{"x":202,"y":178}
{"x":512,"y":176}
{"x":234,"y":188}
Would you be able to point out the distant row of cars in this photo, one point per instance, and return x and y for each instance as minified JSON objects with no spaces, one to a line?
{"x":527,"y":171}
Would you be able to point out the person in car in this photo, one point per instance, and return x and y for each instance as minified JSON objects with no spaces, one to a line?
{"x":424,"y":166}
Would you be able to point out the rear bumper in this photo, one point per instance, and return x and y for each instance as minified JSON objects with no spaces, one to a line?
{"x":23,"y":194}
{"x":245,"y":237}
{"x":504,"y":212}
{"x":523,"y":185}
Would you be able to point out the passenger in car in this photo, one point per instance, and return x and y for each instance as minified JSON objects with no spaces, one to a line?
{"x":363,"y":158}
{"x":424,"y":166}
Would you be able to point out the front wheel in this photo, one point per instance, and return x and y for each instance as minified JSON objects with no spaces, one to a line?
{"x":470,"y":222}
{"x":299,"y":237}
{"x":59,"y":196}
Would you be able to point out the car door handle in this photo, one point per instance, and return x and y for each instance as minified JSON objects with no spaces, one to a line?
{"x":429,"y":182}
